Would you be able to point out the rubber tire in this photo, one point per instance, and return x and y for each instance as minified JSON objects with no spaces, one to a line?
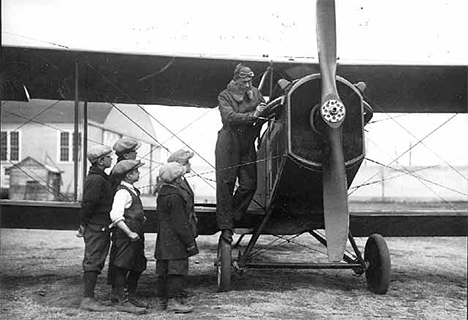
{"x":377,"y":255}
{"x":224,"y":265}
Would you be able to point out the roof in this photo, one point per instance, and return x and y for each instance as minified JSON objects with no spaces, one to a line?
{"x":31,"y":159}
{"x":50,"y":111}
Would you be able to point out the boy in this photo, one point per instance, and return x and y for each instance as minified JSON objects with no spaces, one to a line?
{"x":94,"y":226}
{"x":128,"y":215}
{"x":125,"y":149}
{"x":175,"y":242}
{"x":183,"y":157}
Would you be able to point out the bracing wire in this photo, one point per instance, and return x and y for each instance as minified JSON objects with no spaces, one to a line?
{"x":420,"y":141}
{"x":45,"y":184}
{"x":404,"y":171}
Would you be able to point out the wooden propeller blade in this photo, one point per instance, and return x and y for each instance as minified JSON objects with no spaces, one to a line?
{"x":335,"y":196}
{"x":326,"y":45}
{"x":335,"y":193}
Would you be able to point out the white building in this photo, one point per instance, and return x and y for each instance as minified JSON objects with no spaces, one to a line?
{"x":44,"y":130}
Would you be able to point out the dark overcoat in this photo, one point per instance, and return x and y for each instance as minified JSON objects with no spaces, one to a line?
{"x":174,"y":227}
{"x":189,"y":198}
{"x":97,"y":198}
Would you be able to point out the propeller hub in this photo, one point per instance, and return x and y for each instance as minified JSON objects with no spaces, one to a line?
{"x":333,"y":111}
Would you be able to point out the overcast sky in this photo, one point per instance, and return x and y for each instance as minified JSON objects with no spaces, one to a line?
{"x":423,"y":31}
{"x":385,"y":31}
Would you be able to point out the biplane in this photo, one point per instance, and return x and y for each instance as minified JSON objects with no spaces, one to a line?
{"x":312,"y":145}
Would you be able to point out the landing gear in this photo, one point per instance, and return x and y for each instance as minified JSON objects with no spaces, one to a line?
{"x":375,"y":263}
{"x":377,"y":256}
{"x":223,"y":265}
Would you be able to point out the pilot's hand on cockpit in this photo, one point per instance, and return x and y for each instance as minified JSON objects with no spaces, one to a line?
{"x":260,"y":109}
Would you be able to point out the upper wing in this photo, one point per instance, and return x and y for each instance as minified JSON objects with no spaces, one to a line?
{"x":122,"y":78}
{"x":196,"y":81}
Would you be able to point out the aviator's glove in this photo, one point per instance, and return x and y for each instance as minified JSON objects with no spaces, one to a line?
{"x":260,"y":109}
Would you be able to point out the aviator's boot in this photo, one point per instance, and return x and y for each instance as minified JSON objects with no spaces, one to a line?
{"x":226,"y":235}
{"x":160,"y":303}
{"x":90,"y":304}
{"x":177,"y":305}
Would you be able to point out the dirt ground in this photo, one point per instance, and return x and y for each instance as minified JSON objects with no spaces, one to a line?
{"x":41,"y":279}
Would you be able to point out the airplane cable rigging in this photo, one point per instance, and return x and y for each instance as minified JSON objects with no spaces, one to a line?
{"x":188,"y":125}
{"x":404,"y":173}
{"x":165,"y":127}
{"x":164,"y":147}
{"x":159,"y":122}
{"x":323,"y":236}
{"x":140,"y":127}
{"x":270,"y":246}
{"x":432,"y":151}
{"x":388,"y":118}
{"x":199,"y":174}
{"x":144,"y":110}
{"x":421,"y":140}
{"x":28,"y":120}
{"x":152,"y":137}
{"x":59,"y":130}
{"x":46,"y":186}
{"x":176,"y":134}
{"x":35,"y":39}
{"x":241,"y":165}
{"x":37,"y":115}
{"x":44,"y":124}
{"x":407,"y":172}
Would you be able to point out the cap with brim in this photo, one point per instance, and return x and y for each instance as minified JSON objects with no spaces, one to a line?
{"x":95,"y":153}
{"x":171,"y":171}
{"x":125,"y":145}
{"x":180,"y":156}
{"x":125,"y":166}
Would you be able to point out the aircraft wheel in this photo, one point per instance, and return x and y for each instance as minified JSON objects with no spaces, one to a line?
{"x":223,"y":267}
{"x":376,"y":254}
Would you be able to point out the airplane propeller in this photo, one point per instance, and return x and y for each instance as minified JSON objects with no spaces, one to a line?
{"x":333,"y":112}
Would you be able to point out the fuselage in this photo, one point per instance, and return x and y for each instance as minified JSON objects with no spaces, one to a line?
{"x":290,"y":156}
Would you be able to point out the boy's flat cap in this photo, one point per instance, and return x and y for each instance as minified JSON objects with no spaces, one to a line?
{"x":97,"y":152}
{"x":125,"y":145}
{"x":171,"y":171}
{"x":125,"y":166}
{"x":180,"y":156}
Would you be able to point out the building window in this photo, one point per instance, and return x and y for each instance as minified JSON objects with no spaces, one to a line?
{"x":64,"y":146}
{"x":9,"y":146}
{"x":67,"y":146}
